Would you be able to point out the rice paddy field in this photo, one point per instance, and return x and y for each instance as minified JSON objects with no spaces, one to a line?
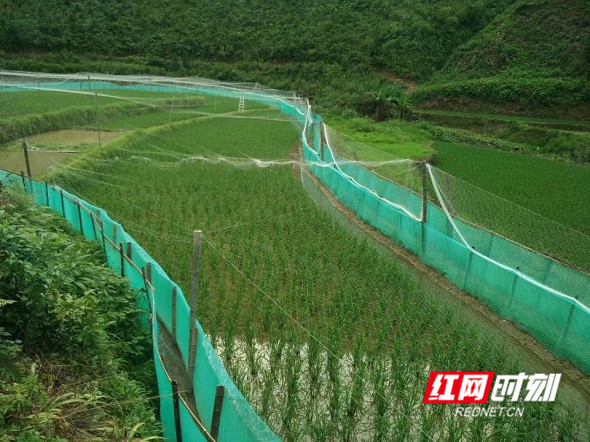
{"x":521,"y":178}
{"x":328,"y":335}
{"x":517,"y":177}
{"x":534,"y":200}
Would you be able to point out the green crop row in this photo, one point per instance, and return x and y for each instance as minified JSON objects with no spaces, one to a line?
{"x":327,"y":336}
{"x":64,"y":110}
{"x":521,"y":179}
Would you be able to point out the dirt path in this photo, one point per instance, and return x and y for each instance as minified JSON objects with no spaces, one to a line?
{"x":578,"y":382}
{"x":409,"y":85}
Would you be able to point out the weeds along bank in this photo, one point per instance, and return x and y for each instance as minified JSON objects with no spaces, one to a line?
{"x":66,"y":317}
{"x":325,"y":336}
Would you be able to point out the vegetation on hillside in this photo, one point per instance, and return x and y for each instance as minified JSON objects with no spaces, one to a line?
{"x":75,"y":360}
{"x":532,"y":54}
{"x":536,"y":53}
{"x":411,"y":37}
{"x":540,"y":38}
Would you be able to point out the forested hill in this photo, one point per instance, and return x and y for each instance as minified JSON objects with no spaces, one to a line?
{"x":544,"y":38}
{"x":412,"y":38}
{"x":534,"y":55}
{"x":512,"y":56}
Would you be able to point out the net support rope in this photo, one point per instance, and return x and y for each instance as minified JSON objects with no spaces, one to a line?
{"x":361,"y":186}
{"x":488,"y":259}
{"x":310,"y":125}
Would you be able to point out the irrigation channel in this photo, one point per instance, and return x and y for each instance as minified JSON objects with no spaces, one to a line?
{"x":327,"y":327}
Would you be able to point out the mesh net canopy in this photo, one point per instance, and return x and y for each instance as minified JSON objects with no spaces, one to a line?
{"x":530,"y":270}
{"x":526,"y":267}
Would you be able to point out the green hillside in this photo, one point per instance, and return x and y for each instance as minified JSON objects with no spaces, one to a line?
{"x":335,"y":52}
{"x":545,"y":38}
{"x":536,"y":53}
{"x":412,"y":38}
{"x":464,"y":55}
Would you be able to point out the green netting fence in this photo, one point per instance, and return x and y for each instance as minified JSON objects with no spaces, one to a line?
{"x":222,"y":413}
{"x":542,"y":295}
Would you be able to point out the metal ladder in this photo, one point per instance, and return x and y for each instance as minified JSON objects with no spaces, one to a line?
{"x":242,"y":105}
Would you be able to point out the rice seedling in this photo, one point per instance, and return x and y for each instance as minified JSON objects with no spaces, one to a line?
{"x":328,"y":335}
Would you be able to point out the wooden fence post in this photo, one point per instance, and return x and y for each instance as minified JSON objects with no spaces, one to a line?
{"x":147,"y":280}
{"x":97,"y":118}
{"x":63,"y":204}
{"x":193,"y":301}
{"x":448,"y":190}
{"x":22,"y":175}
{"x":513,"y":289}
{"x":567,"y":325}
{"x":174,"y":294}
{"x":47,"y":193}
{"x":449,"y":204}
{"x":176,"y":400}
{"x":424,"y":192}
{"x":80,"y":217}
{"x":467,"y":269}
{"x":122,"y":256}
{"x":217,"y":407}
{"x":104,"y":241}
{"x":93,"y":225}
{"x":172,"y":104}
{"x":322,"y":142}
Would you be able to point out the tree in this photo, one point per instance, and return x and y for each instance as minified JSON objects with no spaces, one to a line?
{"x":382,"y":101}
{"x":404,"y":103}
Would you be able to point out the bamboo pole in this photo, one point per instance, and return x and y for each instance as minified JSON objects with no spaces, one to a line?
{"x":175,"y":398}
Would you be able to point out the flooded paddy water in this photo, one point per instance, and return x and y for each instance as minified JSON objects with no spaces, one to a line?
{"x":51,"y":148}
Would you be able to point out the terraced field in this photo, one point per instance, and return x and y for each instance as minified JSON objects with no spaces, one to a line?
{"x":327,"y":335}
